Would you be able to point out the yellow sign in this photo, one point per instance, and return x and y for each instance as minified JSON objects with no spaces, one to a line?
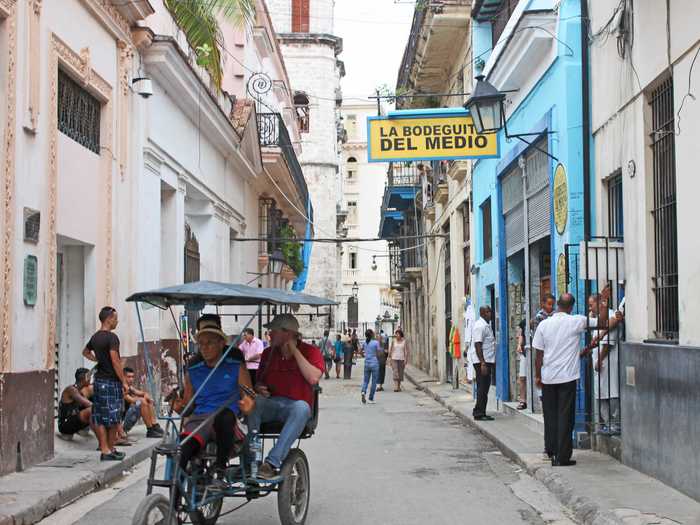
{"x":561,"y":199}
{"x":561,"y":274}
{"x":446,"y":135}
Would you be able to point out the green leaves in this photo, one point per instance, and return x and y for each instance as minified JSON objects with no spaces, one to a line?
{"x":199,"y":20}
{"x":291,"y":249}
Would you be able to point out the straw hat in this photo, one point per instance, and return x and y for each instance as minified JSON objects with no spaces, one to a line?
{"x":210,"y":326}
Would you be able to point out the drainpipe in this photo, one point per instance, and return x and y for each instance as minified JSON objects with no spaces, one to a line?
{"x":586,"y":142}
{"x":586,"y":122}
{"x":526,"y":253}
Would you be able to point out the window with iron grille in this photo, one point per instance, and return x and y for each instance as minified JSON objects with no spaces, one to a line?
{"x":615,"y":207}
{"x":487,"y":250}
{"x":665,"y":279}
{"x":78,"y":113}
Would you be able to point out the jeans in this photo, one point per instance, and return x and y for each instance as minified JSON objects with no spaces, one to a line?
{"x":132,"y":416}
{"x":371,"y":372}
{"x":293,"y":413}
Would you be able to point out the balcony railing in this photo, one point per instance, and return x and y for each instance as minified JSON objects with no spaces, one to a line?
{"x":273,"y":133}
{"x":400,"y":174}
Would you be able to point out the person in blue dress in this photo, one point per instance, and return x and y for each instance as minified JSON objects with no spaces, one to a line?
{"x":370,"y":347}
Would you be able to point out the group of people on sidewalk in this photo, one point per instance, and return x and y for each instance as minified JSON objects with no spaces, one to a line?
{"x":557,"y":343}
{"x":110,"y":405}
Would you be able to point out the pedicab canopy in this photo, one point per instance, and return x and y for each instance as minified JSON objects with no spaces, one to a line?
{"x":197,"y":294}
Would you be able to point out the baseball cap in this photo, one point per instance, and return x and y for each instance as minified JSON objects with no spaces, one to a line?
{"x":210,"y":326}
{"x":284,"y":322}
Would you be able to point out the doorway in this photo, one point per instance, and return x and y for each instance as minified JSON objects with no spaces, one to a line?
{"x":71,"y":327}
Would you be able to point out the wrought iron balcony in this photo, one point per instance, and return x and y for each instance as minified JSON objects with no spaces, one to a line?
{"x":403,"y":175}
{"x":273,"y":133}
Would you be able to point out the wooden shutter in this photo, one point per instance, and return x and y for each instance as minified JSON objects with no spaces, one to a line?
{"x":300,"y":16}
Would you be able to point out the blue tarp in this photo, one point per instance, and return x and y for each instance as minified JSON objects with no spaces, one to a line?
{"x":300,"y":282}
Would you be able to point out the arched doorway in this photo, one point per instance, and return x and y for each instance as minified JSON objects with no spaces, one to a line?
{"x":353,"y":312}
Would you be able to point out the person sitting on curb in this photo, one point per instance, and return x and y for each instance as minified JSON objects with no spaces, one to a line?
{"x":74,"y":407}
{"x":138,"y":404}
{"x":225,"y":386}
{"x":288,"y":371}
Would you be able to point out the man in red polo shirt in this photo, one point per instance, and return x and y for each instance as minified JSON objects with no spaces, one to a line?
{"x":288,"y":371}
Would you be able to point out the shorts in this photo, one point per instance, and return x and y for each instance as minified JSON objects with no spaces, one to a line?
{"x":71,"y":425}
{"x":207,"y":433}
{"x":107,"y":403}
{"x":338,"y":360}
{"x":132,"y":416}
{"x":523,"y":365}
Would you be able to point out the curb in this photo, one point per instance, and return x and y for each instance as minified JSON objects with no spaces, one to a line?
{"x":585,"y":510}
{"x":92,"y":481}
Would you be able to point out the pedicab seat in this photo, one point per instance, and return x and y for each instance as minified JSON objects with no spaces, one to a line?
{"x":272,"y":430}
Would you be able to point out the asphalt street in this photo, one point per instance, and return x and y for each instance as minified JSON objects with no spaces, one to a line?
{"x":405,"y":460}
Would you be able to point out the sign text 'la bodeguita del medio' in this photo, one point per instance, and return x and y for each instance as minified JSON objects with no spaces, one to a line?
{"x":443,"y":134}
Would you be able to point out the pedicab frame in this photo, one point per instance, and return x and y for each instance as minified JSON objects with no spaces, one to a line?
{"x":202,"y":505}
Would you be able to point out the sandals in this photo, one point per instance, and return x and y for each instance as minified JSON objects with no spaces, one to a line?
{"x":522,"y":405}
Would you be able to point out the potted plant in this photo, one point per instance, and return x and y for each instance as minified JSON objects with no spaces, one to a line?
{"x":291,"y":249}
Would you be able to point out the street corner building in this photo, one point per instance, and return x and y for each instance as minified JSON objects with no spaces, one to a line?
{"x":131,"y":161}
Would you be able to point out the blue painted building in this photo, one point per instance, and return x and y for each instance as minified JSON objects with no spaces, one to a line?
{"x":530,"y":49}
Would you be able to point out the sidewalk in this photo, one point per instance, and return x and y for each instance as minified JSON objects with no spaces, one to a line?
{"x":598,"y":490}
{"x":75,"y":471}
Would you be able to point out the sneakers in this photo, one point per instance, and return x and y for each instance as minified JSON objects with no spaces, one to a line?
{"x":364,"y":399}
{"x":155,"y":432}
{"x":267,"y":471}
{"x":112,"y":456}
{"x":372,"y":402}
{"x":483,"y":418}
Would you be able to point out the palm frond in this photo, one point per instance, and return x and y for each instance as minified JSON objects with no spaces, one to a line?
{"x":198,"y":20}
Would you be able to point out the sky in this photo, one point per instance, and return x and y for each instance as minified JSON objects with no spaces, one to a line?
{"x":374,"y":33}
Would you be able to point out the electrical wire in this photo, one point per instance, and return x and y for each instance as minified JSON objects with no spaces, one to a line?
{"x":689,"y":94}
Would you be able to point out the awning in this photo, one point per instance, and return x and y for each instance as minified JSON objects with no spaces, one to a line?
{"x":390,"y":222}
{"x":200,"y":293}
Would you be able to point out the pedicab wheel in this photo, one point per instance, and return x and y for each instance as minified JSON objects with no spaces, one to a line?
{"x":153,"y":510}
{"x":295,"y":490}
{"x":208,"y":514}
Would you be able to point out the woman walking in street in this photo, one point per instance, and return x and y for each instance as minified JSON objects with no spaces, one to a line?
{"x":398,"y":355}
{"x":370,"y":347}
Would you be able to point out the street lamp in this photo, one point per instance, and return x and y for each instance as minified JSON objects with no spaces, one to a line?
{"x":355,"y":289}
{"x":486,"y":107}
{"x":276,"y":262}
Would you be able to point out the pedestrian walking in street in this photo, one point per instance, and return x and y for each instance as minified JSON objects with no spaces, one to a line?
{"x":74,"y":406}
{"x":382,"y":355}
{"x":398,"y":355}
{"x":485,"y":345}
{"x":370,"y":348}
{"x":557,"y":370}
{"x":109,"y":385}
{"x":327,"y":350}
{"x":348,"y":357}
{"x":338,"y":354}
{"x":355,"y":343}
{"x":252,"y":349}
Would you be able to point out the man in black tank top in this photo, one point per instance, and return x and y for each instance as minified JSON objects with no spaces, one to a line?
{"x":74,"y":407}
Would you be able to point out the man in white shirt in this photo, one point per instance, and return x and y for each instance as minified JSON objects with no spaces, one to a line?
{"x":485,"y":345}
{"x":557,"y":365}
